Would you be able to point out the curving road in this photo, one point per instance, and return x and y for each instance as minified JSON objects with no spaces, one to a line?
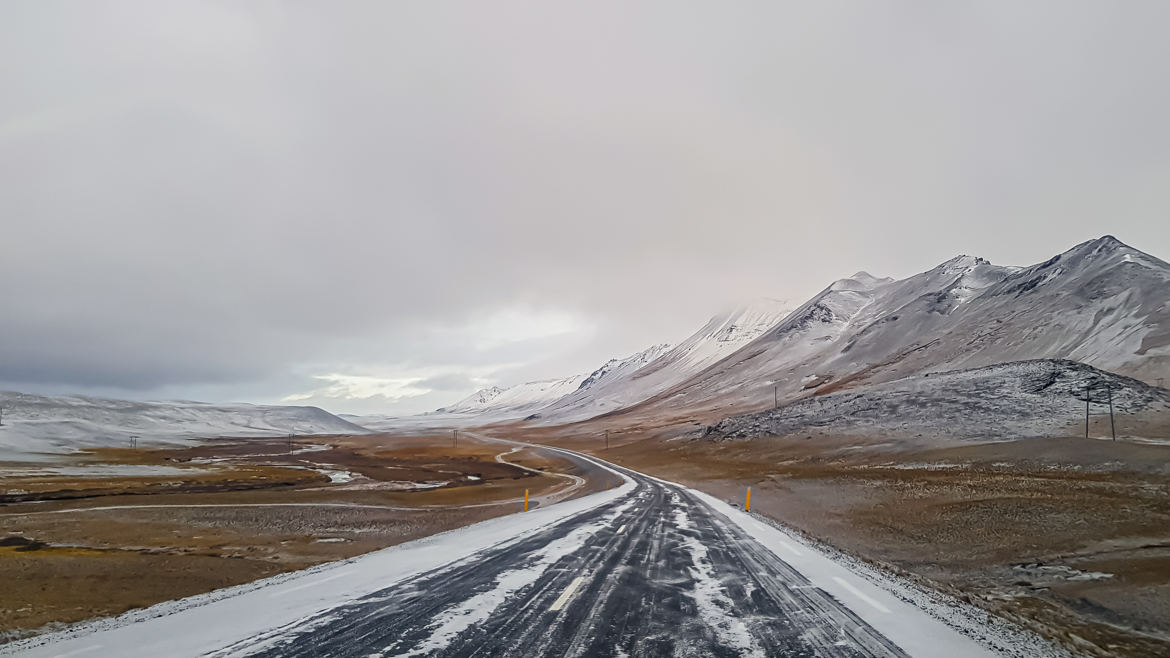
{"x":654,"y":570}
{"x":655,"y":574}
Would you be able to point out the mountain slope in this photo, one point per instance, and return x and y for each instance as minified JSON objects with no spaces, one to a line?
{"x":1013,"y":400}
{"x":721,"y":336}
{"x":1101,"y":302}
{"x":38,"y":424}
{"x":515,"y":400}
{"x":601,"y":390}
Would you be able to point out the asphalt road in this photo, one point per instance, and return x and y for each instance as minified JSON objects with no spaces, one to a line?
{"x":654,"y":573}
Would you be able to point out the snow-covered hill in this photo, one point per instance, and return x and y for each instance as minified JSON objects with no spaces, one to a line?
{"x":1014,"y":400}
{"x":517,"y":401}
{"x":640,"y":377}
{"x":603,"y":389}
{"x":42,"y":425}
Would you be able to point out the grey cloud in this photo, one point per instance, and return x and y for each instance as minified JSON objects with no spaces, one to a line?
{"x":228,"y":199}
{"x":449,"y":382}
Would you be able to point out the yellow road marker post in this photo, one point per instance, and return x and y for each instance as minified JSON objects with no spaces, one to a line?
{"x":525,"y":500}
{"x":747,"y":505}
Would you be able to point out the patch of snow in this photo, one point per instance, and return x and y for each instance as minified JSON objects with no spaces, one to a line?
{"x":338,"y":476}
{"x":711,"y":598}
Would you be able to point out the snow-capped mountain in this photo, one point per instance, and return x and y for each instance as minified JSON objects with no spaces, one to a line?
{"x":615,"y":369}
{"x":515,"y":400}
{"x":40,"y":424}
{"x":477,"y":401}
{"x":640,"y":378}
{"x":1102,"y":303}
{"x":596,"y":394}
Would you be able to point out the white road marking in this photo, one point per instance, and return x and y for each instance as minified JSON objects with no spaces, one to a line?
{"x":861,"y":595}
{"x":622,"y":529}
{"x":282,"y":592}
{"x":565,"y":595}
{"x":78,"y":652}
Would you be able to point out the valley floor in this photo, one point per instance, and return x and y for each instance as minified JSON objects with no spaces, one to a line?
{"x":116,"y":530}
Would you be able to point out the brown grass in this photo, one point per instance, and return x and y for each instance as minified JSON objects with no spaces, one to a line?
{"x":63,"y":561}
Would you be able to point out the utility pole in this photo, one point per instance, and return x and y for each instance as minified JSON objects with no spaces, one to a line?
{"x":1112,"y":427}
{"x":775,"y":396}
{"x":607,"y":439}
{"x":1088,"y":388}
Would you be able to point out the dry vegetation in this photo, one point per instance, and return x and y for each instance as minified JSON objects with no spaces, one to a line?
{"x":73,"y":548}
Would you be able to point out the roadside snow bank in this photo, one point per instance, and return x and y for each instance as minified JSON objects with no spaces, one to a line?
{"x":922,"y":623}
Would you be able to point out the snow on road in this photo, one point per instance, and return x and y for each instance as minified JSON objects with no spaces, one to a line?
{"x":712,"y":598}
{"x":474,"y":610}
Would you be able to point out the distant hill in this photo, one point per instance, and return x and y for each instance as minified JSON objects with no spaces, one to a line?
{"x":39,"y":424}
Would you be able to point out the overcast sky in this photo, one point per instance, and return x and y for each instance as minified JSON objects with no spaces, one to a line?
{"x":382,"y":206}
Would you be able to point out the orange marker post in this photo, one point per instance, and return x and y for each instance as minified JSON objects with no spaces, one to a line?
{"x":525,"y":500}
{"x":747,"y":505}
